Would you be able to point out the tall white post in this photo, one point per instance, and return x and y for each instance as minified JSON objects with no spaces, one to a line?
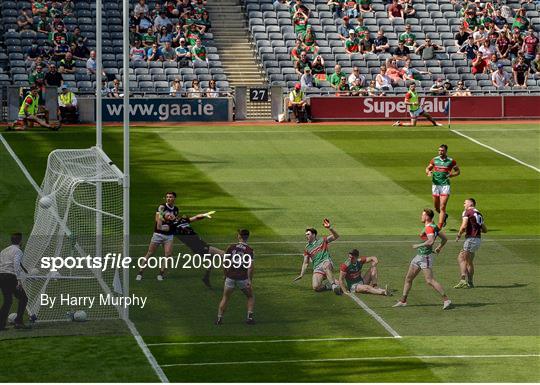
{"x":99,"y":128}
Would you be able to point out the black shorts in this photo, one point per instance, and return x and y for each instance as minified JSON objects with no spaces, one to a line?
{"x":194,"y":243}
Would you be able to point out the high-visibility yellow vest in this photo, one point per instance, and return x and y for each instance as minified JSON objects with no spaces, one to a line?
{"x":66,"y":98}
{"x":297,"y":96}
{"x":32,"y":108}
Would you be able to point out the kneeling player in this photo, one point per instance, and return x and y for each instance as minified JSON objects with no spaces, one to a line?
{"x":351,"y":279}
{"x":415,"y":109}
{"x":317,"y":252}
{"x":30,"y":113}
{"x":241,"y":277}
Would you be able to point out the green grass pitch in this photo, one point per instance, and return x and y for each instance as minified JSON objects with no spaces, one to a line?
{"x":276,"y":181}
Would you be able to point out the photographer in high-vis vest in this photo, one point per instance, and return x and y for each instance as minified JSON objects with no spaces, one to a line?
{"x":29,"y":113}
{"x":298,"y":104}
{"x":67,"y":106}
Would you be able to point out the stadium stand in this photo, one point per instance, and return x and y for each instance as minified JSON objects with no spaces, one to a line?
{"x":146,"y":77}
{"x":273,"y":30}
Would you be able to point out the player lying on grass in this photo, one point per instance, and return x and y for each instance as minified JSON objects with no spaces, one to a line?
{"x":351,"y":279}
{"x":31,"y":112}
{"x":317,"y":252}
{"x":241,"y":277}
{"x":424,"y":260}
{"x":415,"y":109}
{"x":473,"y":226}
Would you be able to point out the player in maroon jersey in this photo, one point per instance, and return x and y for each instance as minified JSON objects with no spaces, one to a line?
{"x":472,"y":224}
{"x":238,"y":275}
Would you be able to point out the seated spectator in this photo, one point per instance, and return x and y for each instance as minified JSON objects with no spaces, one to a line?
{"x":361,"y":31}
{"x":183,"y":55}
{"x":335,"y":78}
{"x":500,"y":78}
{"x":163,"y":36}
{"x":37,"y":78}
{"x":47,"y":51}
{"x":344,"y":28}
{"x":297,"y":50}
{"x":44,"y":24}
{"x":343,"y":88}
{"x":437,"y":88}
{"x":520,"y":71}
{"x":58,"y":35}
{"x":493,"y":63}
{"x":67,"y":106}
{"x":141,"y":7}
{"x":195,"y":91}
{"x":530,"y":45}
{"x":498,"y":20}
{"x":192,"y":34}
{"x":143,"y":23}
{"x":401,"y":52}
{"x":198,"y":52}
{"x":300,"y":21}
{"x":520,"y":20}
{"x":535,"y":66}
{"x":309,"y":41}
{"x":372,"y":90}
{"x":57,"y":21}
{"x":357,"y":89}
{"x":81,"y":51}
{"x":352,"y":8}
{"x":392,"y":71}
{"x":33,"y":52}
{"x":486,"y":49}
{"x":307,"y":80}
{"x":168,"y":52}
{"x":479,"y":64}
{"x":461,"y":90}
{"x":383,"y":81}
{"x":91,"y":63}
{"x":55,"y":9}
{"x":469,"y":48}
{"x":154,"y":53}
{"x":68,"y":8}
{"x":176,"y":88}
{"x":53,"y":78}
{"x":336,"y":7}
{"x":317,"y":68}
{"x":114,"y":91}
{"x":380,"y":43}
{"x":480,"y":35}
{"x":502,"y":45}
{"x":408,"y":9}
{"x":298,"y":105}
{"x":61,"y":50}
{"x":25,"y":21}
{"x":137,"y":53}
{"x":461,"y":36}
{"x":149,"y":38}
{"x":516,"y":43}
{"x":212,"y":91}
{"x":356,"y":78}
{"x":352,"y":44}
{"x":204,"y":22}
{"x":75,"y":36}
{"x":395,"y":11}
{"x":177,"y":34}
{"x":302,"y":63}
{"x":427,"y":50}
{"x":365,"y":6}
{"x":67,"y":64}
{"x":39,"y":7}
{"x":448,"y":87}
{"x":162,"y":20}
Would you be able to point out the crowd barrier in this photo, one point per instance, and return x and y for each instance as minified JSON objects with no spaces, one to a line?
{"x":459,"y":107}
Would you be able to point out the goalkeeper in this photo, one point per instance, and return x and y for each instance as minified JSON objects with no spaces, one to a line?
{"x":30,"y":112}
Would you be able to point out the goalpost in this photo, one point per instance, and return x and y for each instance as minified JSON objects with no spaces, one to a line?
{"x":86,"y":214}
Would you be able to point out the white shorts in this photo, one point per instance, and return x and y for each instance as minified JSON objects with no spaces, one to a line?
{"x":239,"y":283}
{"x":161,"y":239}
{"x":417,"y":113}
{"x":423,"y":261}
{"x":355,"y":285}
{"x":320,"y":268}
{"x":472,"y":244}
{"x":441,"y":190}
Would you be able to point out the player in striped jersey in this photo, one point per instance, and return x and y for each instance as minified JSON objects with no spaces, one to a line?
{"x":415,"y":108}
{"x":424,"y":260}
{"x":351,"y":279}
{"x":317,"y":253}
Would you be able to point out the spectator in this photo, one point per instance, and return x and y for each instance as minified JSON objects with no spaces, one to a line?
{"x":317,"y":68}
{"x":309,"y":41}
{"x":192,"y":34}
{"x":36,"y":63}
{"x":168,"y":52}
{"x":486,"y":49}
{"x":412,"y":74}
{"x":365,"y":6}
{"x":47,"y":51}
{"x":154,"y":53}
{"x":212,"y":91}
{"x":499,"y":21}
{"x":176,"y":88}
{"x":383,"y":81}
{"x":300,"y":21}
{"x":437,"y":88}
{"x":183,"y":56}
{"x":461,"y":36}
{"x":479,"y":64}
{"x":25,"y":20}
{"x":401,"y":52}
{"x":427,"y":50}
{"x":408,"y":37}
{"x":44,"y":25}
{"x":75,"y":36}
{"x":395,"y":11}
{"x":163,"y":36}
{"x":356,"y":88}
{"x":61,"y":50}
{"x":469,"y":48}
{"x":530,"y":45}
{"x":502,"y":45}
{"x":480,"y":35}
{"x":535,"y":66}
{"x":352,"y":44}
{"x":297,"y":50}
{"x":352,"y":8}
{"x":408,"y":9}
{"x":361,"y":31}
{"x":461,"y":90}
{"x":520,"y":21}
{"x":372,"y":90}
{"x":58,"y":35}
{"x":447,"y":87}
{"x":162,"y":20}
{"x":302,"y":63}
{"x":336,"y":7}
{"x":137,"y":53}
{"x":356,"y":78}
{"x":177,"y":34}
{"x":81,"y":51}
{"x":39,"y":7}
{"x":143,"y":23}
{"x":298,"y":105}
{"x":516,"y":42}
{"x":53,"y":78}
{"x":500,"y":78}
{"x":68,"y":8}
{"x":335,"y":78}
{"x":520,"y":71}
{"x":67,"y":106}
{"x":91,"y":64}
{"x":141,"y":8}
{"x":307,"y":80}
{"x":344,"y":28}
{"x":37,"y":78}
{"x":195,"y":91}
{"x":380,"y":43}
{"x":205,"y":22}
{"x":392,"y":71}
{"x":198,"y":52}
{"x":33,"y":52}
{"x":67,"y":64}
{"x":149,"y":38}
{"x":343,"y":88}
{"x":493,"y":63}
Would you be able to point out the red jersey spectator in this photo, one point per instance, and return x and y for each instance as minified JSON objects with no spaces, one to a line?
{"x":395,"y":11}
{"x":520,"y":71}
{"x":530,"y":45}
{"x":480,"y":64}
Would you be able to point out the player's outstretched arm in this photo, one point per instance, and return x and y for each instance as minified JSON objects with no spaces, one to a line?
{"x":373,"y":260}
{"x":342,"y":282}
{"x":303,"y":270}
{"x":333,"y":233}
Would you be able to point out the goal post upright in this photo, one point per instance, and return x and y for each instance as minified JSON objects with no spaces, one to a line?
{"x":99,"y":126}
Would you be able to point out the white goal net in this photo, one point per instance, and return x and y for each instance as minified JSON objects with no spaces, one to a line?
{"x":78,"y":214}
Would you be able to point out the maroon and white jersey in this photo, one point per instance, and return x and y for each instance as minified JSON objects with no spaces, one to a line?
{"x":474,"y":223}
{"x":245,"y":253}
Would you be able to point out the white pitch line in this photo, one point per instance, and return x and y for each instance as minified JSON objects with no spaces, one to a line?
{"x":348,"y":359}
{"x":497,"y":151}
{"x":270,"y":341}
{"x":377,"y":317}
{"x":151,"y":359}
